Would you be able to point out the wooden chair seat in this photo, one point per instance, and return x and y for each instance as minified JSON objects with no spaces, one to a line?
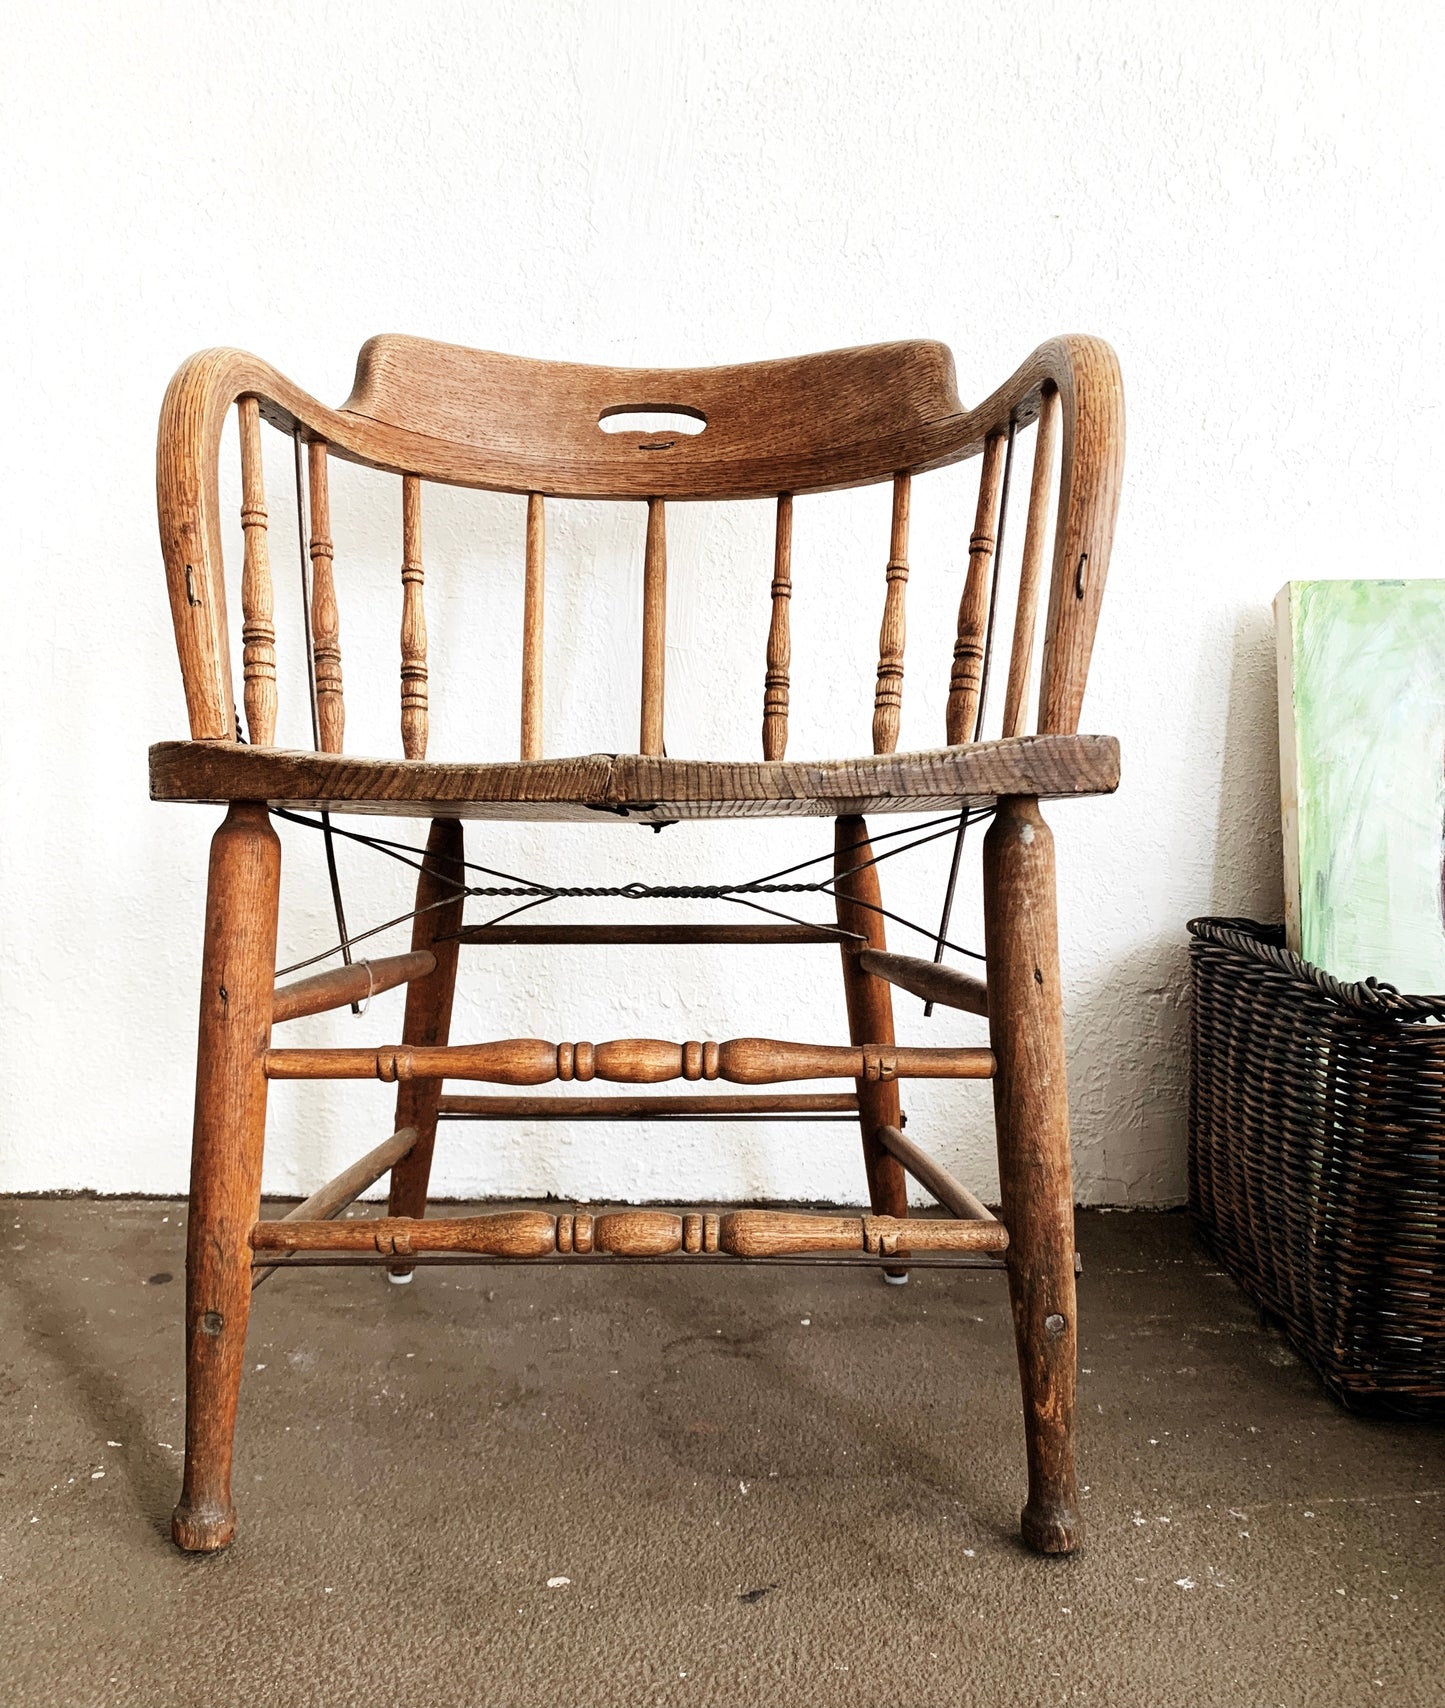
{"x":637,"y":786}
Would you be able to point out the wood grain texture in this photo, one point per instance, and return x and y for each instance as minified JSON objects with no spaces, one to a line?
{"x":534,"y":426}
{"x":339,"y":986}
{"x":237,"y":972}
{"x":857,"y":898}
{"x":1021,"y":655}
{"x":325,"y":616}
{"x":809,"y":424}
{"x":966,"y":677}
{"x":631,"y":1061}
{"x":593,"y":786}
{"x":934,"y":1177}
{"x":533,"y":626}
{"x":654,"y":630}
{"x":651,"y":935}
{"x":345,"y":1188}
{"x":892,"y":633}
{"x":928,"y":979}
{"x":780,"y":1233}
{"x":510,"y":1233}
{"x":715,"y":1106}
{"x":631,"y":1233}
{"x":1031,"y":1114}
{"x":413,"y":624}
{"x":777,"y":676}
{"x":1091,"y":393}
{"x":440,"y":900}
{"x":258,"y":619}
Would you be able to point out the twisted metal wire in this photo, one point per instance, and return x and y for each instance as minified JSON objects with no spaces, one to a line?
{"x":538,"y":894}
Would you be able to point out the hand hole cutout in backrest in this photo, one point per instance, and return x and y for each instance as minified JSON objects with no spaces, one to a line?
{"x":655,"y":419}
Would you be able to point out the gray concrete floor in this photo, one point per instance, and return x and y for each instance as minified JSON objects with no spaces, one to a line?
{"x":644,"y":1485}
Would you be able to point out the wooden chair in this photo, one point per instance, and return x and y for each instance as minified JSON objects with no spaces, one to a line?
{"x":433,"y":412}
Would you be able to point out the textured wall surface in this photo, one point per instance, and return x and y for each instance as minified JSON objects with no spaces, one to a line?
{"x":1240,"y":198}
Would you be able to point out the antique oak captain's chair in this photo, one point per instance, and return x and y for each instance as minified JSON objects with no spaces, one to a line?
{"x":434,"y":412}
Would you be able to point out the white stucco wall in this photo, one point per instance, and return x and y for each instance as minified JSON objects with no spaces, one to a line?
{"x":1243,"y":199}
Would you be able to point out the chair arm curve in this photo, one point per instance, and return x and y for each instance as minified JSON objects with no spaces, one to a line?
{"x":1085,"y":373}
{"x":193,"y":415}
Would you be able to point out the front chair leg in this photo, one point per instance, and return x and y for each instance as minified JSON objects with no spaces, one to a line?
{"x":440,"y":899}
{"x":237,"y":977}
{"x":1031,"y":1110}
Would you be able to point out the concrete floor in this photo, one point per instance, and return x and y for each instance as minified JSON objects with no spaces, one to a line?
{"x":644,"y":1485}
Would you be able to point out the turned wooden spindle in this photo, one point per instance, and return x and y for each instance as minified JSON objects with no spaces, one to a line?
{"x":413,"y":624}
{"x":1021,"y":659}
{"x":654,"y":627}
{"x":888,"y":696}
{"x":325,"y":618}
{"x":967,"y":674}
{"x":632,"y":1061}
{"x":258,"y":622}
{"x":631,"y":1233}
{"x":780,"y":646}
{"x":532,"y":628}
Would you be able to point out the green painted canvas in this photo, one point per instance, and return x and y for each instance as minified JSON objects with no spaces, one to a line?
{"x":1362,"y":767}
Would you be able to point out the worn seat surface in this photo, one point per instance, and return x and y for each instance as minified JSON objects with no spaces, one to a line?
{"x":636,"y":785}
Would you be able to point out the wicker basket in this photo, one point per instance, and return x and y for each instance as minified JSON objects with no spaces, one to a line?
{"x":1317,"y":1159}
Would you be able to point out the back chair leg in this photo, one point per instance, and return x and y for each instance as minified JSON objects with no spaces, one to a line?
{"x":1031,"y":1109}
{"x":237,"y":976}
{"x":870,"y":1015}
{"x":440,"y":900}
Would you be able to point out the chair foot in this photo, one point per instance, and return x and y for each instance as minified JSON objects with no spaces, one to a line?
{"x":203,"y":1530}
{"x":403,"y":1280}
{"x":1050,"y":1529}
{"x":895,"y":1280}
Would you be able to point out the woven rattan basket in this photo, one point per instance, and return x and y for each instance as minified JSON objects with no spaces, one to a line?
{"x":1317,"y":1159}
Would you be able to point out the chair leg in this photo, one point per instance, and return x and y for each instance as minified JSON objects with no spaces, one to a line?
{"x":237,"y":977}
{"x":870,"y":1016}
{"x":1031,"y":1109}
{"x":429,"y":1013}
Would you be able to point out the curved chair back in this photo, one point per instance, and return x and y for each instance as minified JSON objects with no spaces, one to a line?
{"x":768,"y":430}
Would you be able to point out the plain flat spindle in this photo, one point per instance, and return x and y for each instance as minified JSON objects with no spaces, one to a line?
{"x":258,"y":622}
{"x":413,"y":624}
{"x":1031,"y":574}
{"x":888,"y":696}
{"x":654,"y":627}
{"x":780,"y":646}
{"x":325,"y":618}
{"x":967,"y":674}
{"x":532,"y":606}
